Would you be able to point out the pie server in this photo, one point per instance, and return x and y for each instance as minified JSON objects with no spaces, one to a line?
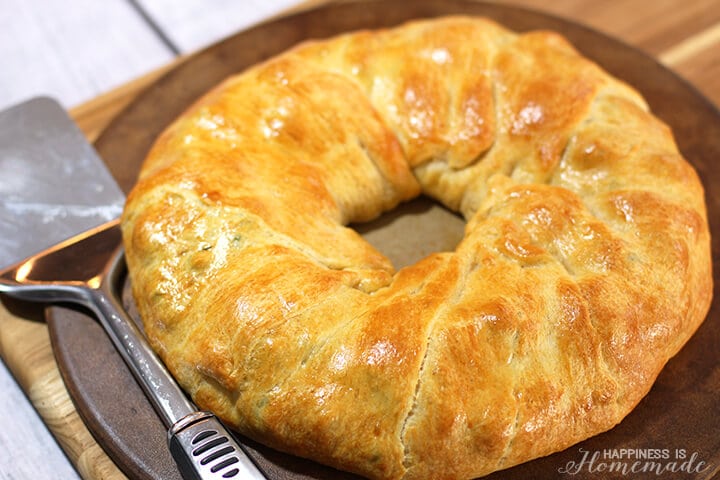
{"x":58,"y":199}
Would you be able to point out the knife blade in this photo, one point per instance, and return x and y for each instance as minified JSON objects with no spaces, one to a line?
{"x":59,"y":203}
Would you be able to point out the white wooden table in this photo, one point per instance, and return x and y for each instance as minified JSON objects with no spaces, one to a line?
{"x":75,"y":50}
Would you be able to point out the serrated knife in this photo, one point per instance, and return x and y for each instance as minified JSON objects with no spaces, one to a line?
{"x":57,"y":203}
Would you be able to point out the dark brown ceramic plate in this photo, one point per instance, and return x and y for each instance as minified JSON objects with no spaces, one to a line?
{"x":680,"y":416}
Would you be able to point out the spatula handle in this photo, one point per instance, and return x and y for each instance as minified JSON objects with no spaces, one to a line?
{"x":204,"y":450}
{"x":152,"y":375}
{"x":199,"y":442}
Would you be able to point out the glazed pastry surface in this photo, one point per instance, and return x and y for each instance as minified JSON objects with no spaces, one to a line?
{"x":584,"y":267}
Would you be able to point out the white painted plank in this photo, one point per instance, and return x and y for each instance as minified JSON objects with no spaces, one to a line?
{"x":73,"y":49}
{"x":27,"y":449}
{"x":193,"y":24}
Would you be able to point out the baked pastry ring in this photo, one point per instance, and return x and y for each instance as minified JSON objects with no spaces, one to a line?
{"x":584,"y":267}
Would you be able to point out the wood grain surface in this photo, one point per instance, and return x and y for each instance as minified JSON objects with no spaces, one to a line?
{"x":685,"y":36}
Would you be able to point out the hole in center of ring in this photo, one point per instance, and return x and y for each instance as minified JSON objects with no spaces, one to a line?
{"x":413,"y":230}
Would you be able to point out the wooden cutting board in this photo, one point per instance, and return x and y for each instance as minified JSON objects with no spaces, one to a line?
{"x":24,"y":338}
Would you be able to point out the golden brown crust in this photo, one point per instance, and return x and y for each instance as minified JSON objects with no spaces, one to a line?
{"x":584,"y":268}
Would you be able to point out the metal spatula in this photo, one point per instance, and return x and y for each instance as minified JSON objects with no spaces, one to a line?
{"x":58,"y":199}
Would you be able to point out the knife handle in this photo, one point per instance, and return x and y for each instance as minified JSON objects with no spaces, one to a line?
{"x":205,"y":450}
